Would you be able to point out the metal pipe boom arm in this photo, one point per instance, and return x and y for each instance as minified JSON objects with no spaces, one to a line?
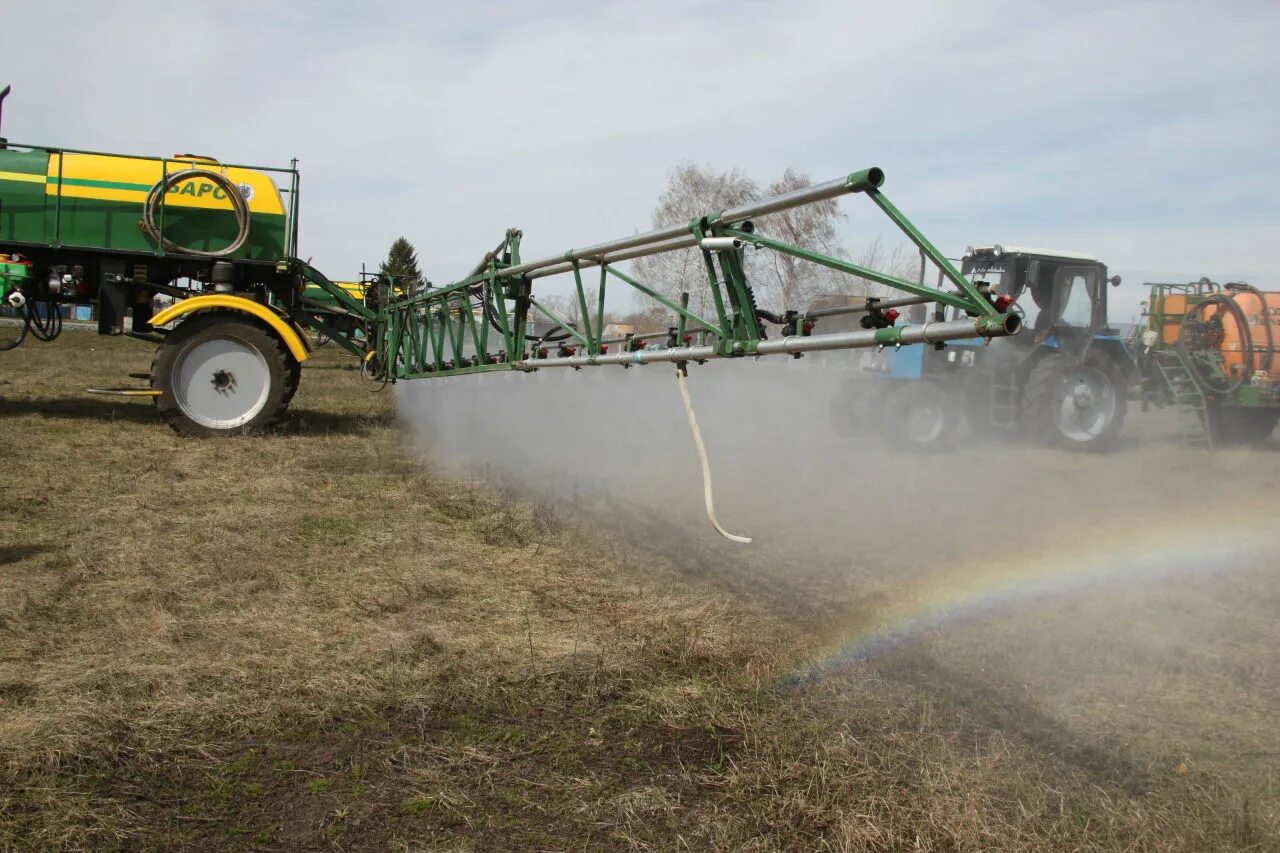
{"x":484,"y":322}
{"x":680,"y":237}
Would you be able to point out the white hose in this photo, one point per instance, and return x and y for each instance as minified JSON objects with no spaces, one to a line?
{"x":681,"y":376}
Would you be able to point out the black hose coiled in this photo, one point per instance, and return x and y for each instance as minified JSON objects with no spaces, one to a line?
{"x":48,"y":327}
{"x":1245,"y":287}
{"x":1190,"y":322}
{"x":44,"y":328}
{"x":162,"y":187}
{"x":23,"y":327}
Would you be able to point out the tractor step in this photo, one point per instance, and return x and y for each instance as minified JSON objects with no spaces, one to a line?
{"x":1004,"y":400}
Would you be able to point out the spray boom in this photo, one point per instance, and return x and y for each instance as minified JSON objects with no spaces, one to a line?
{"x":455,"y":329}
{"x":483,"y":323}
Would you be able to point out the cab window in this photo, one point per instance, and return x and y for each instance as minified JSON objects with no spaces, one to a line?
{"x":1077,"y":288}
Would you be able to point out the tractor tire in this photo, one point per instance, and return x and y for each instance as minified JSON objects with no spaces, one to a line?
{"x":854,"y":407}
{"x":843,"y":413}
{"x":1076,"y":405}
{"x":221,"y":373}
{"x":977,"y":409}
{"x":1237,"y":426}
{"x":924,"y":416}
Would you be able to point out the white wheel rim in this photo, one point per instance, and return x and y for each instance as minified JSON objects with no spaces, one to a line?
{"x":221,"y":383}
{"x":925,"y":422}
{"x":1086,"y":404}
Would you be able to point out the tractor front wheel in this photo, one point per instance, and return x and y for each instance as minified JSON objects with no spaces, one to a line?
{"x":220,"y":373}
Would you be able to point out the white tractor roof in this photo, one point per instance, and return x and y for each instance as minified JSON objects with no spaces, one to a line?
{"x":1027,"y":250}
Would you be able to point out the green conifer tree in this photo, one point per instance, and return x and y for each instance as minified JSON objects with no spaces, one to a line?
{"x":402,"y":265}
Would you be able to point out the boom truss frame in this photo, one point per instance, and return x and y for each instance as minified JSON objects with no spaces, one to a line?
{"x":481,"y":323}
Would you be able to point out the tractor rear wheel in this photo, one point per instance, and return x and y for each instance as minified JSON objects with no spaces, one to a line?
{"x":926,"y":416}
{"x":221,"y":373}
{"x":857,"y":407}
{"x":1068,"y":403}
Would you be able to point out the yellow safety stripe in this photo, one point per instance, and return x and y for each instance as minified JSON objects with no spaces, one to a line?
{"x":25,"y":177}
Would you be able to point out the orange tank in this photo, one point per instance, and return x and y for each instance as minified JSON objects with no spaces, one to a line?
{"x":1258,"y":317}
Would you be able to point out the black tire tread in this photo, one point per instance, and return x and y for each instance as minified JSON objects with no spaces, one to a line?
{"x":1235,"y":426}
{"x":292,"y":379}
{"x":279,"y":361}
{"x":1037,"y":412}
{"x":908,"y":393}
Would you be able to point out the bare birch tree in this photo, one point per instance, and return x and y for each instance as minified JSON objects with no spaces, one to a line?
{"x":795,"y":282}
{"x":899,"y":261}
{"x":692,"y":191}
{"x":569,"y":308}
{"x":780,"y":281}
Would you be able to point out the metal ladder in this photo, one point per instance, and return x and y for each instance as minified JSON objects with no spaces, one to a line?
{"x":1188,"y":400}
{"x":1004,"y":398}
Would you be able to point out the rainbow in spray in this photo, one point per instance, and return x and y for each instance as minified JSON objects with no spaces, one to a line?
{"x":1168,"y":549}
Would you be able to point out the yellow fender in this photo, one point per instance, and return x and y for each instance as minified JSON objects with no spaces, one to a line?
{"x":278,"y":324}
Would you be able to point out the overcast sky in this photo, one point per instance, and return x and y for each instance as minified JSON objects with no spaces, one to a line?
{"x":1144,"y":133}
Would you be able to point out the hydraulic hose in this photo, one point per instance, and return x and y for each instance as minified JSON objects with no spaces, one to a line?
{"x":682,"y":374}
{"x":238,"y":205}
{"x":1245,"y":287}
{"x":550,"y":337}
{"x":24,"y":324}
{"x":373,"y":373}
{"x":48,"y":327}
{"x":1191,"y":319}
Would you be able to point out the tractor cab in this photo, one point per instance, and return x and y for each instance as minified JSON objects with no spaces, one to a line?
{"x":1062,"y":296}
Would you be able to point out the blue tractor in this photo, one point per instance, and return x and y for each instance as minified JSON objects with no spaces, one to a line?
{"x":1063,"y":381}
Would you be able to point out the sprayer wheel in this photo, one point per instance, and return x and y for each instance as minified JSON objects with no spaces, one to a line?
{"x":293,"y":378}
{"x":219,"y":373}
{"x":1067,"y":403}
{"x":1239,"y":426}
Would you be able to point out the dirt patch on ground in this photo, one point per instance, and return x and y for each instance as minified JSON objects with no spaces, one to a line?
{"x":311,"y":639}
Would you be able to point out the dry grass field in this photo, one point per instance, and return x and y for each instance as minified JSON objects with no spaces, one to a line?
{"x":316,"y":640}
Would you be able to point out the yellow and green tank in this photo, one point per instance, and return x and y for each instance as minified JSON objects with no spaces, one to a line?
{"x":49,"y":198}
